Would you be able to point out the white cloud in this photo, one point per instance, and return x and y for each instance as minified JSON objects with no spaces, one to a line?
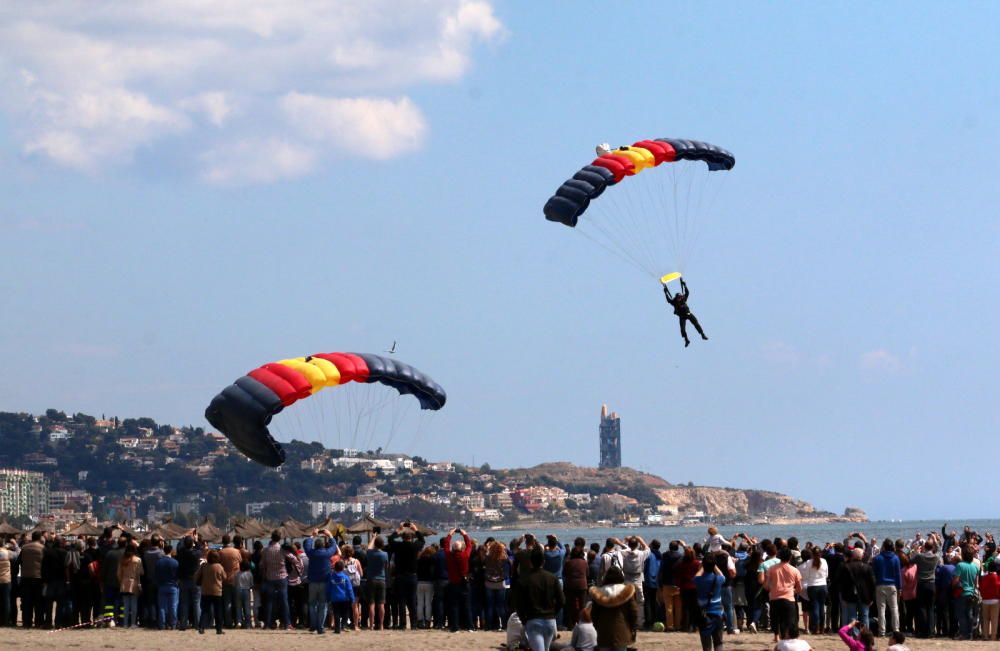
{"x":215,"y":106}
{"x":881,"y":360}
{"x":368,"y":126}
{"x":87,"y":85}
{"x":257,"y":161}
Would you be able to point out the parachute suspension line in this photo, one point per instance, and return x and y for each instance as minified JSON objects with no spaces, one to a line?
{"x":623,"y":221}
{"x":706,"y":212}
{"x":628,"y":259}
{"x":635,"y":212}
{"x":667,"y":218}
{"x":632,"y":228}
{"x":613,"y":244}
{"x":664,"y":256}
{"x":688,"y":173}
{"x":612,"y":214}
{"x":676,"y":219}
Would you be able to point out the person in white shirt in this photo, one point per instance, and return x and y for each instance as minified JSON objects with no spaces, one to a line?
{"x":898,"y":640}
{"x":792,"y":642}
{"x":715,"y":540}
{"x":815,"y":572}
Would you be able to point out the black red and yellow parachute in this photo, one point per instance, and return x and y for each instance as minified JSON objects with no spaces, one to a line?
{"x":574,"y":196}
{"x":243,"y":410}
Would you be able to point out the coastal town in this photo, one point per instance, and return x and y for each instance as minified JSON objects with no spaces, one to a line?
{"x":59,"y":469}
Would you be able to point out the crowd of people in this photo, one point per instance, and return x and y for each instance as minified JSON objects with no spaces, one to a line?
{"x":938,"y":584}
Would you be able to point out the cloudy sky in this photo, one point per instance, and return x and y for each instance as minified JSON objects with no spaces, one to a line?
{"x":191,"y":189}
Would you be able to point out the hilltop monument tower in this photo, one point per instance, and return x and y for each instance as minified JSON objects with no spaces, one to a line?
{"x":611,"y":439}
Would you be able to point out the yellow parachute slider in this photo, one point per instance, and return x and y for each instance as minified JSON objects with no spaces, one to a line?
{"x":670,"y":277}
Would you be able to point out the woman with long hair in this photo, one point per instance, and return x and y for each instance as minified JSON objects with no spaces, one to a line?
{"x":129,"y":582}
{"x":708,"y":590}
{"x":209,"y":577}
{"x":684,"y":574}
{"x":352,"y":566}
{"x":574,"y":586}
{"x":909,"y":593}
{"x":865,"y":640}
{"x":425,"y":586}
{"x":496,"y":568}
{"x":815,"y":572}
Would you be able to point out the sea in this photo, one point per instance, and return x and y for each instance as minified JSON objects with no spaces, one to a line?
{"x":818,"y":534}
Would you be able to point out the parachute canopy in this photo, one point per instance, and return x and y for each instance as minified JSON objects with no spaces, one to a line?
{"x":243,"y":410}
{"x":646,"y":220}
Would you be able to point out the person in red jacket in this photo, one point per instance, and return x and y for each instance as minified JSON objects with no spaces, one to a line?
{"x":989,"y":587}
{"x":456,"y":554}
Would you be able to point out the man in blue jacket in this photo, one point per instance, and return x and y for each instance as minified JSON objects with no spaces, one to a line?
{"x":888,"y":583}
{"x":319,"y":551}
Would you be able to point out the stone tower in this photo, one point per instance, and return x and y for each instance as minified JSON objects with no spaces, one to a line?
{"x":611,"y":439}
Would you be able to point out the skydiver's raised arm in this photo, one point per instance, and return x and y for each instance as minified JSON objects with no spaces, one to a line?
{"x":666,"y":292}
{"x":684,"y":288}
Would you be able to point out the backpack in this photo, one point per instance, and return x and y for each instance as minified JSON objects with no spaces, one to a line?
{"x":352,"y":571}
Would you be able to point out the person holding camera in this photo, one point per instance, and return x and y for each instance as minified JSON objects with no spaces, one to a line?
{"x":457,"y":552}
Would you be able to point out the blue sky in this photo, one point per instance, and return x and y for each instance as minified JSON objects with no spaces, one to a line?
{"x":212,"y":191}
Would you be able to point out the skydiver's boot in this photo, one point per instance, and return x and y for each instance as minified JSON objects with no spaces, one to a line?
{"x":704,"y":336}
{"x":687,"y":342}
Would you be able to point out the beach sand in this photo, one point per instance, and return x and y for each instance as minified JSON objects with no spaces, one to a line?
{"x":388,"y":640}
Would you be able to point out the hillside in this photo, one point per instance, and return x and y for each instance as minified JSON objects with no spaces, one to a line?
{"x":720,"y":503}
{"x":137,"y":469}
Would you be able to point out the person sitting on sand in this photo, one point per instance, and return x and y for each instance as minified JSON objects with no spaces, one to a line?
{"x":793,"y":642}
{"x":865,"y":640}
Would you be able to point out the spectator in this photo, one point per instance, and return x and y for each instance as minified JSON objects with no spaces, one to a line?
{"x":457,"y":552}
{"x":888,"y":583}
{"x":614,"y":611}
{"x":340,"y":593}
{"x":783,"y":582}
{"x":708,"y":587}
{"x":210,"y":576}
{"x":537,"y":597}
{"x":130,"y":569}
{"x":168,"y":589}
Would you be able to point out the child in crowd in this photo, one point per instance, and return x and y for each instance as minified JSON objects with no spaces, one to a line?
{"x":244,"y":584}
{"x":340,"y":594}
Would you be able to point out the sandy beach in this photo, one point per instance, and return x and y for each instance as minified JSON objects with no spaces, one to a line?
{"x":388,"y":640}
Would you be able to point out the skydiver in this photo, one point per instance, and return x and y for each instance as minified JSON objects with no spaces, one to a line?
{"x":683,"y":312}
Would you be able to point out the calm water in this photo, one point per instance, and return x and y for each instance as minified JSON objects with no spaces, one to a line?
{"x":817,"y":533}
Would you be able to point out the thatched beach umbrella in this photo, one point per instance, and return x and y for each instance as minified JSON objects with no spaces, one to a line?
{"x":337,"y":529}
{"x":171,"y":531}
{"x":208,"y":531}
{"x":291,"y":528}
{"x":121,"y":527}
{"x":44,"y":527}
{"x":255,"y":529}
{"x":8,"y":530}
{"x":85,"y":528}
{"x":368,"y":524}
{"x":424,"y":531}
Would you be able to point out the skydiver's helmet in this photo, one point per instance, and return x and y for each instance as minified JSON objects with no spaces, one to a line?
{"x":603,"y":148}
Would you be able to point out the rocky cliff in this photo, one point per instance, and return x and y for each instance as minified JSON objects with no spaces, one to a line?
{"x":723,"y":503}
